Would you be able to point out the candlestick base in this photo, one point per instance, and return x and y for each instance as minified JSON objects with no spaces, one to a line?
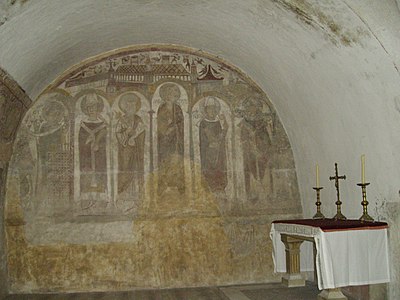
{"x":319,"y":214}
{"x":339,"y":216}
{"x":365,"y":216}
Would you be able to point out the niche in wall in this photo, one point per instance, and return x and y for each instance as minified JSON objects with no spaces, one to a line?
{"x":152,"y":166}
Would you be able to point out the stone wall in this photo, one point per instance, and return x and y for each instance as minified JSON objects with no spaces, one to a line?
{"x":13,"y":104}
{"x":3,"y":265}
{"x":153,"y":167}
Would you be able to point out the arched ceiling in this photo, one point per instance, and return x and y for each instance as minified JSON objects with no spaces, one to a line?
{"x":331,"y":68}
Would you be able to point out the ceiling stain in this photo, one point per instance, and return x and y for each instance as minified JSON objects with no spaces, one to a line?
{"x":313,"y":15}
{"x":7,"y":8}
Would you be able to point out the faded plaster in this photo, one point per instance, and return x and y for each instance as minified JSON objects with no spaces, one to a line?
{"x":335,"y":100}
{"x":175,"y":156}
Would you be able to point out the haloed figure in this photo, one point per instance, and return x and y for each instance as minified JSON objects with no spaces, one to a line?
{"x":130,"y":132}
{"x":92,"y":146}
{"x":170,"y":126}
{"x":213,"y":129}
{"x":256,"y":130}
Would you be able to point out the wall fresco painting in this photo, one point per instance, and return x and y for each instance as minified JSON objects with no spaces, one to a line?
{"x":212,"y":143}
{"x":130,"y":140}
{"x":161,"y":166}
{"x":171,"y":134}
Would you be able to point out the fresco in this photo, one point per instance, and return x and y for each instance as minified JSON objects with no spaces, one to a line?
{"x":130,"y":133}
{"x":159,"y":145}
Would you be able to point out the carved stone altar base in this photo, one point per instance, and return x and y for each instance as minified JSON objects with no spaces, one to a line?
{"x":332,"y":294}
{"x":292,"y":278}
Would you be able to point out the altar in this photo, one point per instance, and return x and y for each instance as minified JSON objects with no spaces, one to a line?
{"x":346,"y":252}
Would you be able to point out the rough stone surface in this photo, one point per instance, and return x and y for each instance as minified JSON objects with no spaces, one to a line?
{"x":3,"y":267}
{"x":147,"y":167}
{"x":13,"y":104}
{"x":250,"y":292}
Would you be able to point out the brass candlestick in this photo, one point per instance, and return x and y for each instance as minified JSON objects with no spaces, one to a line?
{"x":365,"y":216}
{"x":339,"y":215}
{"x":319,"y":214}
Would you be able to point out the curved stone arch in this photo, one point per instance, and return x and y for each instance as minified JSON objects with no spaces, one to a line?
{"x":144,"y":113}
{"x":225,"y":116}
{"x":80,"y":117}
{"x":137,"y":49}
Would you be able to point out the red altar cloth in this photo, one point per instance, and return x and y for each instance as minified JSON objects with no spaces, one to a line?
{"x":336,"y":225}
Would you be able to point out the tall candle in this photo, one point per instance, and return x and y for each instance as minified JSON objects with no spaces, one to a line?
{"x":363,"y":168}
{"x":317,"y":175}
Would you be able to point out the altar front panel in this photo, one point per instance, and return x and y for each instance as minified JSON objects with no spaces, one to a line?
{"x":352,"y":257}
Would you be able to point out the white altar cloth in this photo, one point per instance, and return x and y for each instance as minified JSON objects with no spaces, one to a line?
{"x":344,"y":257}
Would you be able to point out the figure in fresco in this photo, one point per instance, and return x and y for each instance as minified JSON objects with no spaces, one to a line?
{"x":130,"y":132}
{"x":256,"y":132}
{"x":46,"y":118}
{"x":26,"y":161}
{"x":92,"y":147}
{"x":48,"y":132}
{"x":213,"y":129}
{"x":170,"y":124}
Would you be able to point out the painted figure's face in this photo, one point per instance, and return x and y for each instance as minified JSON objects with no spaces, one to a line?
{"x":92,"y":109}
{"x":170,"y":93}
{"x":130,"y":104}
{"x":253,"y":109}
{"x":211,"y":112}
{"x":91,"y":106}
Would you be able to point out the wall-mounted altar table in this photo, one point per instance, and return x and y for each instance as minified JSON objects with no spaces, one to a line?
{"x":348,"y":252}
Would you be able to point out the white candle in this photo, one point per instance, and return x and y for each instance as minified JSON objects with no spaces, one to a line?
{"x":317,"y":174}
{"x":363,"y":168}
